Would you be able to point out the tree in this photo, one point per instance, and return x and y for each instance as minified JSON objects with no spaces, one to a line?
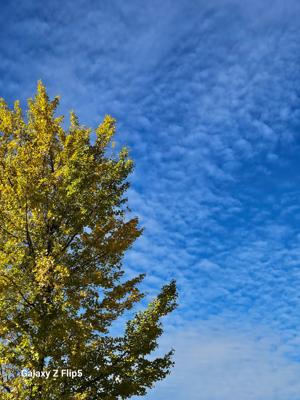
{"x":64,"y":230}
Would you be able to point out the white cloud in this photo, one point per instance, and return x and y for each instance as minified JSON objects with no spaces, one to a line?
{"x":214,"y":362}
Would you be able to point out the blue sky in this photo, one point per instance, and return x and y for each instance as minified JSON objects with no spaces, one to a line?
{"x":206,"y":95}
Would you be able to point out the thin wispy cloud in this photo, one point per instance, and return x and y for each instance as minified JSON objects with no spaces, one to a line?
{"x":215,"y":361}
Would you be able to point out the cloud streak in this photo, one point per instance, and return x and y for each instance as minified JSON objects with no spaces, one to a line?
{"x":215,"y":362}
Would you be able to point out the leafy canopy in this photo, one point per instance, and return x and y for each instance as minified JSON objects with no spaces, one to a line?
{"x":63,"y":233}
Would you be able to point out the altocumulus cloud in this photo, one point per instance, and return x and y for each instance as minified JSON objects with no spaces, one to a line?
{"x":207,"y":97}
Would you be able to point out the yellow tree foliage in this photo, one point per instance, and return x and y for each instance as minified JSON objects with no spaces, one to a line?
{"x":63,"y":233}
